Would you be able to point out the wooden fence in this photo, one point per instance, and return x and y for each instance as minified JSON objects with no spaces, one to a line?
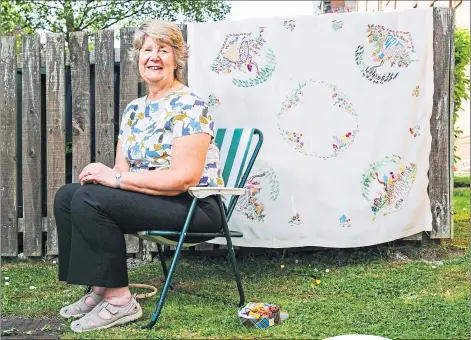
{"x":52,"y":97}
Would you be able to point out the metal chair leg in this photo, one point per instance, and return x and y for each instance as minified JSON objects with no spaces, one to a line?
{"x":162,"y":260}
{"x":230,"y":251}
{"x":163,"y":263}
{"x":173,"y":264}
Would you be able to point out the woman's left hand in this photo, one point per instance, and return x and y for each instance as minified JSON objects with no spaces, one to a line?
{"x":98,"y":173}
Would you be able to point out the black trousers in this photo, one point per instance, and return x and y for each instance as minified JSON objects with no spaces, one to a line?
{"x":92,"y":220}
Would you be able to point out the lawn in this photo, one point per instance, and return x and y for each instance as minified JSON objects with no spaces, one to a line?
{"x":399,"y":291}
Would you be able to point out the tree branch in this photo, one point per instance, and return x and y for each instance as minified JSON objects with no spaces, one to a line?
{"x":85,"y":13}
{"x":117,"y":19}
{"x":43,"y":4}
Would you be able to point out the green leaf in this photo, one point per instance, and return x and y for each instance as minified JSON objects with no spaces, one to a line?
{"x":462,"y":81}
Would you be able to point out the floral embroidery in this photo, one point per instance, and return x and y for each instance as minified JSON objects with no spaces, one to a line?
{"x":295,"y":220}
{"x":148,"y":128}
{"x":415,"y":93}
{"x":390,"y":46}
{"x":250,"y":204}
{"x":240,"y":52}
{"x":415,"y":131}
{"x":394,"y":47}
{"x":337,"y":24}
{"x":344,"y":221}
{"x":387,"y":183}
{"x":296,"y":140}
{"x":213,"y":101}
{"x":289,"y":25}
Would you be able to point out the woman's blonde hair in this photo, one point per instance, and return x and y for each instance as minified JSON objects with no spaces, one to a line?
{"x":163,"y":32}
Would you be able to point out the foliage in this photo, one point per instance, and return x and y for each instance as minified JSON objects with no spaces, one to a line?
{"x":67,"y":16}
{"x":462,"y":85}
{"x":461,"y":181}
{"x":12,"y":22}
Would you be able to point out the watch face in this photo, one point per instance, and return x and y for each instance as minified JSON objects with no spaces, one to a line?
{"x":118,"y":175}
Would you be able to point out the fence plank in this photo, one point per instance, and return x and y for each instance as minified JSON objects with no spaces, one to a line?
{"x":31,"y":146}
{"x":8,"y":152}
{"x":19,"y":58}
{"x":128,"y":91}
{"x":55,"y":129}
{"x":451,"y":124}
{"x":80,"y":83}
{"x":440,"y":122}
{"x":104,"y":97}
{"x":128,"y":74}
{"x":184,"y":29}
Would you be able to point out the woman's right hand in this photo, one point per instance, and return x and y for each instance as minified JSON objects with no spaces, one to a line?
{"x":98,"y":173}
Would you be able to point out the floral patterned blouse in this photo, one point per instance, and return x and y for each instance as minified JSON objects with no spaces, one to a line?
{"x":149,"y":127}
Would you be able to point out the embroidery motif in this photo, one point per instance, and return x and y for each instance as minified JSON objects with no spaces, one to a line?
{"x":251,"y":204}
{"x":415,"y":131}
{"x":344,"y":221}
{"x":294,"y":220}
{"x":289,"y":24}
{"x":337,"y":24}
{"x":240,"y":52}
{"x":387,"y":183}
{"x":340,"y":141}
{"x":415,"y":93}
{"x":213,"y":101}
{"x":386,"y":46}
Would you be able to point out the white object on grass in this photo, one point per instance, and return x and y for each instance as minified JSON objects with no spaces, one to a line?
{"x":357,"y":337}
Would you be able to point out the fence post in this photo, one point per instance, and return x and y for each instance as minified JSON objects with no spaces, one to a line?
{"x":8,"y":154}
{"x":31,"y":147}
{"x":55,"y":129}
{"x":441,"y":124}
{"x":104,"y":97}
{"x":80,"y":84}
{"x":128,"y":91}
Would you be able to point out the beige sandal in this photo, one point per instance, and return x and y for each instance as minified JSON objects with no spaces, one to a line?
{"x":106,"y":315}
{"x":80,"y":308}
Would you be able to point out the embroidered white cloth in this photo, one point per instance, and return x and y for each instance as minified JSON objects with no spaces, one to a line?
{"x":344,"y":102}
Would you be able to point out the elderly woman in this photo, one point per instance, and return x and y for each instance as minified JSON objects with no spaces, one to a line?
{"x":165,"y":146}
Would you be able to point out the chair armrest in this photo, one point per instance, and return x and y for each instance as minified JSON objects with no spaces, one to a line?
{"x":202,"y":192}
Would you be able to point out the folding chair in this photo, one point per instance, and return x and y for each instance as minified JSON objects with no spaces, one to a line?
{"x":234,"y":146}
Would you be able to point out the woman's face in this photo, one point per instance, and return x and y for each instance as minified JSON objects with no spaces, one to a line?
{"x":156,"y":62}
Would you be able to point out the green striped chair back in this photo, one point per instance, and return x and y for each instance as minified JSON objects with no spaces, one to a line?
{"x":234,"y":146}
{"x":237,"y":156}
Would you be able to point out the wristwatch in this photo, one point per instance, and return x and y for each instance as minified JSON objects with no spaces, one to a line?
{"x":118,"y":180}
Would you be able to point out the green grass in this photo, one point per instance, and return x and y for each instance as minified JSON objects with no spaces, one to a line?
{"x":364,"y":291}
{"x":461,"y":219}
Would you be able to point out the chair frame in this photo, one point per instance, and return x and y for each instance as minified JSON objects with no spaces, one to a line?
{"x":199,"y":192}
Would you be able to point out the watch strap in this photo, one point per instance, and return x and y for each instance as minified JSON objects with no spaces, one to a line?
{"x":118,"y":180}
